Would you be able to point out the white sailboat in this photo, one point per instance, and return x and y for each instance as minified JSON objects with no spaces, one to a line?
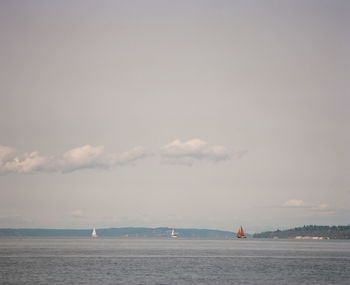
{"x":173,"y":234}
{"x":94,"y":234}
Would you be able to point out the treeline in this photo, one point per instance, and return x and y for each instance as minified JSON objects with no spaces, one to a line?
{"x":120,"y":232}
{"x":332,"y":232}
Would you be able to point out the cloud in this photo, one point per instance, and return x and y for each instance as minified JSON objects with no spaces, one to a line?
{"x":6,"y":154}
{"x":294,"y":203}
{"x":11,"y":161}
{"x":312,"y":209}
{"x":323,"y":207}
{"x":131,"y":156}
{"x":77,"y":214}
{"x":95,"y":157}
{"x":83,"y":157}
{"x":189,"y":151}
{"x":86,"y":156}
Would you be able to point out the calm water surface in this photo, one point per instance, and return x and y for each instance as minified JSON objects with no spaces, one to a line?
{"x":172,"y":261}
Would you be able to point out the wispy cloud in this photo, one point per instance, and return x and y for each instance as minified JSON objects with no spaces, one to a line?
{"x":317,"y":206}
{"x":77,"y":214}
{"x":321,"y":207}
{"x":188,"y":152}
{"x":95,"y":157}
{"x":294,"y":203}
{"x":312,"y":209}
{"x":87,"y":156}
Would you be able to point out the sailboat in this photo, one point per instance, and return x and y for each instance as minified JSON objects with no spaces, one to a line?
{"x":173,"y":234}
{"x":240,"y":233}
{"x":94,"y":234}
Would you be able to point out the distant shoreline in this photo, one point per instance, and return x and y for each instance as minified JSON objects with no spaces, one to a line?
{"x":130,"y":232}
{"x":309,"y":232}
{"x":305,"y":232}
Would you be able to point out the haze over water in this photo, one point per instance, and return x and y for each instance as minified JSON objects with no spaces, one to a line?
{"x":172,"y":261}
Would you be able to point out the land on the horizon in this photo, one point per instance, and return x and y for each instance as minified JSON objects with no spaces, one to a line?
{"x":132,"y":232}
{"x":331,"y":232}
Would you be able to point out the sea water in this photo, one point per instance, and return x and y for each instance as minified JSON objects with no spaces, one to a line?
{"x":172,"y":261}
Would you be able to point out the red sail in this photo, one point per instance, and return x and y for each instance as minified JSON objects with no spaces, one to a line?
{"x":242,"y":232}
{"x":239,"y":233}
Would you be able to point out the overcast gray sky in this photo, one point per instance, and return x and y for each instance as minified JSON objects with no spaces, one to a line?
{"x":206,"y":114}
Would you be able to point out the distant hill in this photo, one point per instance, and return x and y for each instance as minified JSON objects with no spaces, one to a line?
{"x":121,"y":232}
{"x":332,"y":232}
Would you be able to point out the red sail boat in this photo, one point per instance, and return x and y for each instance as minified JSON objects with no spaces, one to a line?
{"x":240,"y":233}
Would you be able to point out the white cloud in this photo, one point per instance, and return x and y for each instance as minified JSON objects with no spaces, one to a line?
{"x":77,"y":214}
{"x":313,"y":209}
{"x":323,"y":206}
{"x":86,"y":156}
{"x":95,"y":157}
{"x":294,"y":203}
{"x":27,"y":163}
{"x":11,"y":161}
{"x":196,"y":149}
{"x":130,"y":156}
{"x":6,"y":154}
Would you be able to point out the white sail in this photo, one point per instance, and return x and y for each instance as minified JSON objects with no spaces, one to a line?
{"x":173,"y":234}
{"x":94,"y":234}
